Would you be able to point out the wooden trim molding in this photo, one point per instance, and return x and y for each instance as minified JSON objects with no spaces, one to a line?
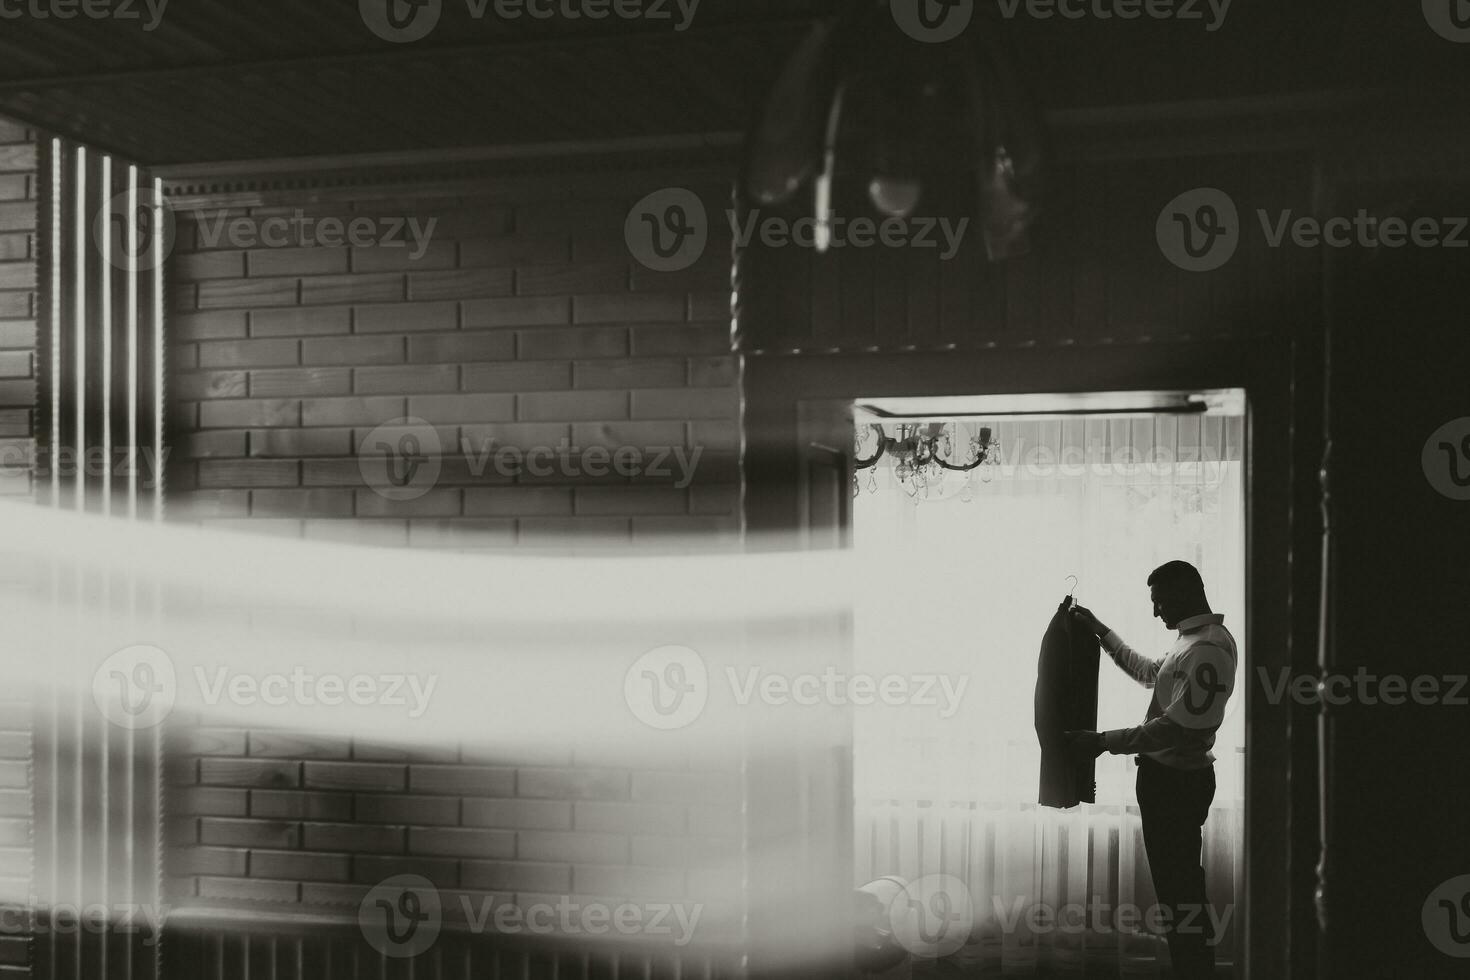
{"x":1154,"y":131}
{"x":241,"y":183}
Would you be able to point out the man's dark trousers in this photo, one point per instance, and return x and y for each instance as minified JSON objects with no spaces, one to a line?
{"x":1174,"y":804}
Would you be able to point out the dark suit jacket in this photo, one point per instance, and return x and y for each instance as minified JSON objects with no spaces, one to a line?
{"x":1066,"y":700}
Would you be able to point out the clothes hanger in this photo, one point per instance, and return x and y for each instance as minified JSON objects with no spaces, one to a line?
{"x":1072,"y":595}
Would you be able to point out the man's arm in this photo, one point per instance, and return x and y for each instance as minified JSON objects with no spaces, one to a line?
{"x":1132,"y":663}
{"x":1194,"y":711}
{"x":1152,"y":736}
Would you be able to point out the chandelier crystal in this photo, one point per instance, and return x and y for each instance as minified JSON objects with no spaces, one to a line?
{"x":926,"y":460}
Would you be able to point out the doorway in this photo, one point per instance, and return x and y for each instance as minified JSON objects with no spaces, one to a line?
{"x":1077,"y":494}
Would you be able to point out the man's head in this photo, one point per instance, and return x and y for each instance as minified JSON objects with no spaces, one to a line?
{"x":1178,"y":593}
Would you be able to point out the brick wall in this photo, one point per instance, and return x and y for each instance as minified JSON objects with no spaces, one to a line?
{"x":314,"y":822}
{"x":18,"y":162}
{"x":523,"y":323}
{"x":18,"y":211}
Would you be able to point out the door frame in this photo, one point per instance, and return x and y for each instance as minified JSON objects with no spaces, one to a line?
{"x":783,"y":393}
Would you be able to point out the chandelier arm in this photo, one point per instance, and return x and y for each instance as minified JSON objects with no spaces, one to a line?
{"x":864,"y":464}
{"x":967,"y":468}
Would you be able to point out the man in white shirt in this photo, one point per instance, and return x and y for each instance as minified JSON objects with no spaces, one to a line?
{"x":1192,"y":685}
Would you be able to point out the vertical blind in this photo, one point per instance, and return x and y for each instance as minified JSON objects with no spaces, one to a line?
{"x":105,"y":228}
{"x":100,"y":433}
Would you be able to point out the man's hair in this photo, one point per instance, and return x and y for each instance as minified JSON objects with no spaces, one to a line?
{"x":1178,"y":578}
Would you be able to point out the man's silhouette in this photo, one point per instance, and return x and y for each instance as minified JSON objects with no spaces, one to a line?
{"x":1176,"y":771}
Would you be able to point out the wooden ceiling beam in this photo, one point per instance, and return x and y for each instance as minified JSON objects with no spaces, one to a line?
{"x":407,"y":54}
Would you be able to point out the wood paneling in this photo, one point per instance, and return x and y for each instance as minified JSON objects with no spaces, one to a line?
{"x":1094,"y":272}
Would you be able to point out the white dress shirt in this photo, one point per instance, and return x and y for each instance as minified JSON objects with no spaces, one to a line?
{"x":1192,"y":685}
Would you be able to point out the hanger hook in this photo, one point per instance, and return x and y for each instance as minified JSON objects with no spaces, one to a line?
{"x":1075,"y":582}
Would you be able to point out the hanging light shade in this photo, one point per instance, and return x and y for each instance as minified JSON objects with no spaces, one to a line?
{"x":861,"y":100}
{"x":786,"y":145}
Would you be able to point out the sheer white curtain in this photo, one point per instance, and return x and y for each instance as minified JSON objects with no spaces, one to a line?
{"x":978,"y":583}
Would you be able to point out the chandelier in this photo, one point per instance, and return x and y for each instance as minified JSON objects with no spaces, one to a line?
{"x":949,"y":126}
{"x":926,"y":463}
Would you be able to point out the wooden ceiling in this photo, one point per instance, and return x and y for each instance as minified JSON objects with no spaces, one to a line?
{"x":221,"y":80}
